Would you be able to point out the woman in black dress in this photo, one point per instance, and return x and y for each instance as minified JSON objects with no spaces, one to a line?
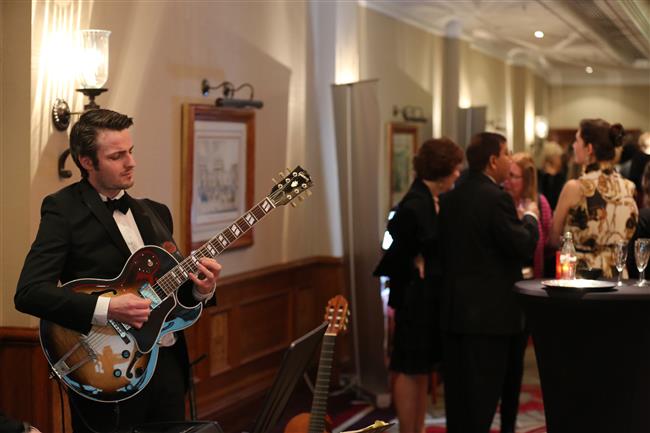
{"x":413,"y":265}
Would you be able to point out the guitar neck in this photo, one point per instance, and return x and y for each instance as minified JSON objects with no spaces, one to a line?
{"x":179,"y":274}
{"x":321,"y":390}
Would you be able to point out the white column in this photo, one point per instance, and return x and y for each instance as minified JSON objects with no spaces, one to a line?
{"x":451,"y":79}
{"x":347,"y":42}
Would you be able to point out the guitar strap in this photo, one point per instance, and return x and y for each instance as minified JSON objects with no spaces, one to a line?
{"x":160,"y":229}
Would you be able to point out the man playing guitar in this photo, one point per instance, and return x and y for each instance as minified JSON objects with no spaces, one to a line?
{"x":88,"y":230}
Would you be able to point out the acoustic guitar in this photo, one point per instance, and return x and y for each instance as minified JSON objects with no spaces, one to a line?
{"x":336,"y":313}
{"x":115,"y":362}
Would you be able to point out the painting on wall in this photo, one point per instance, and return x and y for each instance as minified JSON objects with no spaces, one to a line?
{"x":402,"y":146}
{"x":217,"y":171}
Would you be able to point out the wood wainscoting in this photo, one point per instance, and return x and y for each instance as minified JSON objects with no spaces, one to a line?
{"x":26,"y":392}
{"x":244,"y":336}
{"x":258,"y":314}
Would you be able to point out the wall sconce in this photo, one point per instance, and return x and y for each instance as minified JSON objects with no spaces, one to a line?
{"x":93,"y":73}
{"x":410,"y":113}
{"x":229,"y":91}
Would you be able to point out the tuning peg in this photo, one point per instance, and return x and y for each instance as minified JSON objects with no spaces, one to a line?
{"x":287,"y":171}
{"x":273,"y":180}
{"x":294,"y":204}
{"x":281,"y":175}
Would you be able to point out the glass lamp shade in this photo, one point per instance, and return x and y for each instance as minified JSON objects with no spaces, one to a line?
{"x":93,"y":58}
{"x":541,"y":127}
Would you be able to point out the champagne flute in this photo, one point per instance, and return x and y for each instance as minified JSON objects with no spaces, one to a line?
{"x":641,"y":255}
{"x":620,"y":255}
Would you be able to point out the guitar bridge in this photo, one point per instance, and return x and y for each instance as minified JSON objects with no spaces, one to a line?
{"x":61,"y":368}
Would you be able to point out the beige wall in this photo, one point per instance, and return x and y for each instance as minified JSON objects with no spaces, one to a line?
{"x":629,"y":105}
{"x":15,"y":212}
{"x":483,"y":83}
{"x":401,"y":57}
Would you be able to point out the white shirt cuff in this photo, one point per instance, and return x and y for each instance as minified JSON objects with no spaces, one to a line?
{"x":203,"y":297}
{"x":100,"y":316}
{"x":531,"y":214}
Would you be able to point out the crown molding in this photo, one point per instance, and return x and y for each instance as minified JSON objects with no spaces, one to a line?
{"x":552,"y":73}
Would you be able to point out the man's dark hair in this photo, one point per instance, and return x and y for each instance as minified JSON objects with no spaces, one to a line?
{"x":604,"y":138}
{"x":437,"y":158}
{"x":481,"y":147}
{"x":83,"y":136}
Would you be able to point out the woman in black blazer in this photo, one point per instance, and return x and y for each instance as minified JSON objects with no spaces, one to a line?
{"x":413,"y":265}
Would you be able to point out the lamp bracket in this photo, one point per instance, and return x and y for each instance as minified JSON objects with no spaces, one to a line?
{"x":229,"y":91}
{"x":91,"y":94}
{"x":411,"y":113}
{"x":61,"y":115}
{"x":63,"y":173}
{"x":228,"y":88}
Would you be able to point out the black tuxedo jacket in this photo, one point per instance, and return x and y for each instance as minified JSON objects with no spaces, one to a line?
{"x":78,"y":238}
{"x":484,"y":245}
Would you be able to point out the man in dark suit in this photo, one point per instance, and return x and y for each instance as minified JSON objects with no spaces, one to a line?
{"x":484,"y":244}
{"x":88,"y":230}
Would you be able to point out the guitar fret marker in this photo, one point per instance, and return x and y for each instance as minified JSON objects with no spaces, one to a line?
{"x":250,"y":219}
{"x":223,"y":240}
{"x":235,"y":229}
{"x":212,"y":251}
{"x":266,"y":206}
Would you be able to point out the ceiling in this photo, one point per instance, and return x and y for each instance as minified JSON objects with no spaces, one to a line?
{"x":610,"y":36}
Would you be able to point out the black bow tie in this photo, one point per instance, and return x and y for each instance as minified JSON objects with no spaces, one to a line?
{"x":121,"y":204}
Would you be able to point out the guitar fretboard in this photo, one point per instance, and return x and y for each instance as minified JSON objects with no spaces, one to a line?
{"x":321,"y":389}
{"x":179,"y":274}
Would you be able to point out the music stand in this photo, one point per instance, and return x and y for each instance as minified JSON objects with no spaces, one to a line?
{"x":294,"y":363}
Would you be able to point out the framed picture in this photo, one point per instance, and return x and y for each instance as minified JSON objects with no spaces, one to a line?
{"x":402,"y":146}
{"x":218,"y":171}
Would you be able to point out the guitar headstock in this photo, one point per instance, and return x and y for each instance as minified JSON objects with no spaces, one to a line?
{"x":292,"y":185}
{"x":336,"y":314}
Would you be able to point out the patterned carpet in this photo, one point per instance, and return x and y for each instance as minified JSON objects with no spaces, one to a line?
{"x":357,"y":414}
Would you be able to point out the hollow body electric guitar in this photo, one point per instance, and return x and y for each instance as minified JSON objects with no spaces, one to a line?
{"x":336,"y":313}
{"x":114,"y":362}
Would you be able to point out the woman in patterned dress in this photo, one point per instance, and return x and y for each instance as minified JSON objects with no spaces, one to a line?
{"x":598,"y":208}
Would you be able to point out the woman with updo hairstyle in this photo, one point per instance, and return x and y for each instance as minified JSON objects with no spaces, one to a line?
{"x":598,"y":208}
{"x":413,"y":265}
